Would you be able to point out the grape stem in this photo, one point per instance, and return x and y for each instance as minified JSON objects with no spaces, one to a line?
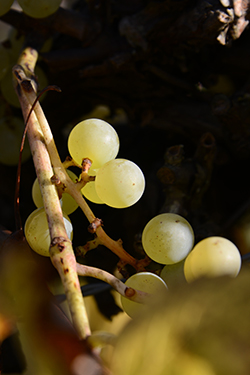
{"x":47,"y":164}
{"x":61,"y":252}
{"x":118,"y":285}
{"x":62,"y":175}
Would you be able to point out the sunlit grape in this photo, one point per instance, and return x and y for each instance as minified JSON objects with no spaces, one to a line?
{"x":94,"y":139}
{"x":212,"y":257}
{"x":120,"y":183}
{"x":167,"y":238}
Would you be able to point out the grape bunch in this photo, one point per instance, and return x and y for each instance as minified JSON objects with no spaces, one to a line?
{"x":118,"y":183}
{"x":168,"y":239}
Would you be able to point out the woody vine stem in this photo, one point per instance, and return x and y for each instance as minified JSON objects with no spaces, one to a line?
{"x":50,"y":169}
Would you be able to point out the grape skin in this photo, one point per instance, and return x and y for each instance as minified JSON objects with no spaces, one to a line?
{"x":167,"y":238}
{"x":120,"y":183}
{"x":37,"y":234}
{"x":212,"y":257}
{"x":39,"y":8}
{"x":94,"y":139}
{"x":146,"y":282}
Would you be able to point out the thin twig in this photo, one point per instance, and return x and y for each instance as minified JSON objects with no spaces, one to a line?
{"x":118,"y":285}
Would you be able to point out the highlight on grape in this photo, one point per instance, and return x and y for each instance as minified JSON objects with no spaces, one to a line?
{"x":120,"y":183}
{"x":168,"y":238}
{"x":212,"y":257}
{"x":94,"y":139}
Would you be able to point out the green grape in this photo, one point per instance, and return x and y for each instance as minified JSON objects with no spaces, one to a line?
{"x":89,"y":190}
{"x":69,"y":205}
{"x":8,"y":90}
{"x":11,"y":133}
{"x":5,"y":6}
{"x":36,"y":231}
{"x":4,"y":61}
{"x":39,"y":9}
{"x":120,"y":183}
{"x":168,"y":238}
{"x":212,"y":257}
{"x":94,"y":139}
{"x":173,"y":274}
{"x":145,"y":282}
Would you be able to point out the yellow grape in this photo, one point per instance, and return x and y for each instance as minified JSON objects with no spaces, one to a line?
{"x":120,"y":183}
{"x":212,"y":257}
{"x":94,"y":139}
{"x":168,"y":238}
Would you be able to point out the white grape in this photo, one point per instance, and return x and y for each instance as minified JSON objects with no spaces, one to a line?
{"x":168,"y":238}
{"x":145,"y":282}
{"x":94,"y":139}
{"x":5,"y":6}
{"x":212,"y":257}
{"x":69,"y":204}
{"x":89,"y":190}
{"x":37,"y":231}
{"x":120,"y":183}
{"x":39,"y":8}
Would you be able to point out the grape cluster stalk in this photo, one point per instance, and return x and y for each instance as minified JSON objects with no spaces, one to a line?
{"x":48,"y":164}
